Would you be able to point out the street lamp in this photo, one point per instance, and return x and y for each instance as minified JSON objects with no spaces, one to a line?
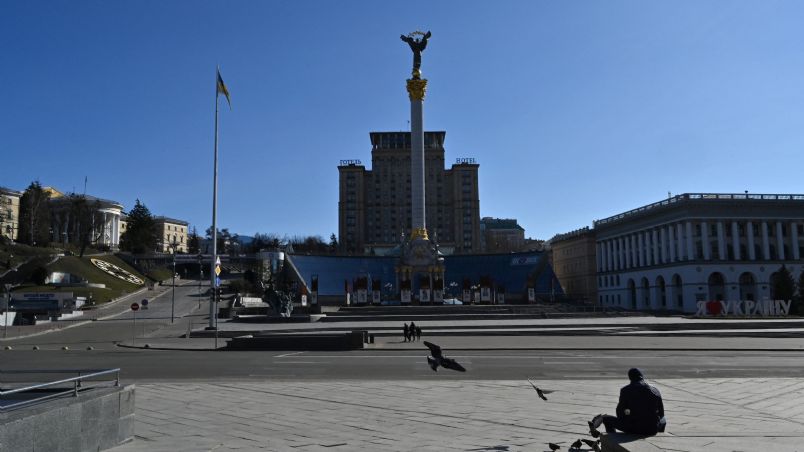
{"x":173,"y":276}
{"x":8,"y":302}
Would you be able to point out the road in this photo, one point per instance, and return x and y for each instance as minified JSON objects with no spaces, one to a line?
{"x":163,"y":365}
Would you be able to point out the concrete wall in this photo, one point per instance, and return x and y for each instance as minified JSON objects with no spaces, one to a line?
{"x":97,"y":419}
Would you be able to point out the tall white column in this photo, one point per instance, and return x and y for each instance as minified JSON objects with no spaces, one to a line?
{"x":640,"y":249}
{"x":779,"y":241}
{"x":662,"y":246}
{"x":628,"y":251}
{"x":671,"y":243}
{"x":794,"y":242}
{"x":735,"y":239}
{"x":749,"y":235}
{"x":721,"y":241}
{"x":621,"y":253}
{"x":765,"y":241}
{"x":690,"y":242}
{"x":610,"y":255}
{"x":655,"y":242}
{"x":417,"y":164}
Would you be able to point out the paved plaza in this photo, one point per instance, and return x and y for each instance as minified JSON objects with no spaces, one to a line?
{"x":455,"y":415}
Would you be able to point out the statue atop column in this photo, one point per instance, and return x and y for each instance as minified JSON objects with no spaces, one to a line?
{"x":417,"y":45}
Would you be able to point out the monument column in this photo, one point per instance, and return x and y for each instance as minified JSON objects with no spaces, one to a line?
{"x":416,"y":90}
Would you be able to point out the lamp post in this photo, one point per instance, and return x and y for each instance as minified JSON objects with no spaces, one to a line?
{"x":173,"y":276}
{"x":5,"y":317}
{"x":200,"y":278}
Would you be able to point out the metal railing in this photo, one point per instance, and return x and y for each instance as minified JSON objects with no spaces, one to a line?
{"x":83,"y":374}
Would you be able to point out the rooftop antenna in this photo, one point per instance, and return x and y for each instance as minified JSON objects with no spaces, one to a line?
{"x":85,"y":186}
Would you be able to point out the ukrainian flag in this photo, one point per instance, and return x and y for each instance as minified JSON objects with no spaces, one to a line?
{"x":221,"y":89}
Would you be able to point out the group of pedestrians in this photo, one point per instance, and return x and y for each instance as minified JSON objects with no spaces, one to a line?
{"x":412,"y":332}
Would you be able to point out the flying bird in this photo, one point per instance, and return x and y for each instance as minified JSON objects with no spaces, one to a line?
{"x":540,"y":392}
{"x":553,"y":447}
{"x":438,"y":359}
{"x":576,"y":444}
{"x":592,"y":444}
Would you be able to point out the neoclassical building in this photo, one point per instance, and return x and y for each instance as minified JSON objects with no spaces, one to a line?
{"x":691,"y":247}
{"x":9,"y":212}
{"x":64,"y":225}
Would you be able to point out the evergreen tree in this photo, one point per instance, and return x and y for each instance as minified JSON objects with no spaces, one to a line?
{"x":193,"y":243}
{"x":34,"y":218}
{"x":333,"y":243}
{"x":783,"y":284}
{"x":141,"y":234}
{"x":90,"y":225}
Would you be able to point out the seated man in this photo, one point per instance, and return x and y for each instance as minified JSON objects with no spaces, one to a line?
{"x":640,"y":410}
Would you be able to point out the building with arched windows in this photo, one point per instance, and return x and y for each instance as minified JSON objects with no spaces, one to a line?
{"x":673,"y":253}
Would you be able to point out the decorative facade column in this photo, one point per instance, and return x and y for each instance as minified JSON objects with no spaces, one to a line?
{"x":690,"y":242}
{"x":662,"y":246}
{"x":640,"y":250}
{"x":721,"y":241}
{"x":749,"y":235}
{"x":765,"y":241}
{"x":655,"y":242}
{"x":628,"y":251}
{"x":671,"y":242}
{"x":779,"y":241}
{"x":735,"y":240}
{"x":707,"y":252}
{"x":794,"y":243}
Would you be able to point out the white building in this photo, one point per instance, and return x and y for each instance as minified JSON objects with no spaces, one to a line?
{"x":673,"y":253}
{"x":65,"y":227}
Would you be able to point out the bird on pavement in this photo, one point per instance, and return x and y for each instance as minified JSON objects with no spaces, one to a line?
{"x":540,"y":392}
{"x":438,"y":359}
{"x":576,"y":445}
{"x":592,"y":444}
{"x":553,"y":447}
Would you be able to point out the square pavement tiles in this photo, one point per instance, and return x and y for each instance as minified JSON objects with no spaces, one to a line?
{"x":456,"y":415}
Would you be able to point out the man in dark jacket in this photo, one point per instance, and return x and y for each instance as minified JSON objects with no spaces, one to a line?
{"x":640,"y":410}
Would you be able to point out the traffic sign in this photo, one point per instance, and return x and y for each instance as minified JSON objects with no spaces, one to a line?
{"x":135,"y":306}
{"x":218,"y":261}
{"x":144,"y":303}
{"x":217,"y":282}
{"x":217,"y":270}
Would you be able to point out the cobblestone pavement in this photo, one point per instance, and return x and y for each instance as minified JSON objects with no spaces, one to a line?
{"x":452,"y":415}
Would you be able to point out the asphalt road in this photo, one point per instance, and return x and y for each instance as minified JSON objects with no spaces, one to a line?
{"x":161,"y":365}
{"x":140,"y":365}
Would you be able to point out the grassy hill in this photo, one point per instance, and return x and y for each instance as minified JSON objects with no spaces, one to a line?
{"x":83,"y":267}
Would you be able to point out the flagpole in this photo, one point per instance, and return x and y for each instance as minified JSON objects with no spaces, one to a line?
{"x":212,"y":313}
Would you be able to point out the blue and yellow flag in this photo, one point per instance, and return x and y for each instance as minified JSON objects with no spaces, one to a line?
{"x":222,"y":89}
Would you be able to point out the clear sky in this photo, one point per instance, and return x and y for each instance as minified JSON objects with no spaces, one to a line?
{"x":575,"y":110}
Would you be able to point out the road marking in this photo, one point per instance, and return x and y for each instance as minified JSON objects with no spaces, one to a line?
{"x":303,"y":362}
{"x":566,"y":362}
{"x":288,"y":354}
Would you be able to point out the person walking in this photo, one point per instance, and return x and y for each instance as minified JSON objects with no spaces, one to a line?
{"x":639,"y":411}
{"x":405,"y":331}
{"x":418,"y":333}
{"x":412,"y":331}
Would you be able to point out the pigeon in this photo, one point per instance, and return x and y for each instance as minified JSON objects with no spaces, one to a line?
{"x":592,"y":444}
{"x":539,"y":391}
{"x":576,"y":445}
{"x":592,"y":430}
{"x":553,"y":447}
{"x":438,"y":359}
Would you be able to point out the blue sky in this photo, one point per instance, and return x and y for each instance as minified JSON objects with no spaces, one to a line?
{"x":575,"y":110}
